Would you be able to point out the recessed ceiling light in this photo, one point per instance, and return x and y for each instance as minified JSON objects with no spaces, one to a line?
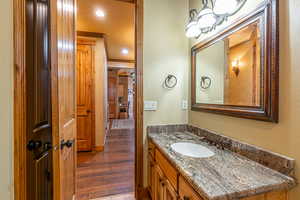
{"x":125,"y":51}
{"x":100,"y":13}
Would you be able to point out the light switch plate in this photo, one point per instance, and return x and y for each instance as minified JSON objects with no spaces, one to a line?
{"x":184,"y":104}
{"x":150,"y":105}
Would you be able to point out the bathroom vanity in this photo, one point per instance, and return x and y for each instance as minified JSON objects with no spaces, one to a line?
{"x":225,"y":170}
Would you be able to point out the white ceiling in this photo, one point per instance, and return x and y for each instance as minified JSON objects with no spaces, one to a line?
{"x":117,"y":24}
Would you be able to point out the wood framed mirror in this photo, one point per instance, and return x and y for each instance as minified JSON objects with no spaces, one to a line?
{"x":236,"y":72}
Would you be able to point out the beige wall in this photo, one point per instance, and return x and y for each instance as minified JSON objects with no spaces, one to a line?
{"x":100,"y":92}
{"x":239,"y":89}
{"x":6,"y":98}
{"x":283,"y":137}
{"x":165,"y":51}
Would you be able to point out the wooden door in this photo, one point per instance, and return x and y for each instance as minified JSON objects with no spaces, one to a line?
{"x":38,"y":86}
{"x":113,"y":94}
{"x":84,"y":69}
{"x":63,"y":97}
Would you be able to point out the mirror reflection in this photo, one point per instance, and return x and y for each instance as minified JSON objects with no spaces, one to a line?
{"x":229,"y":71}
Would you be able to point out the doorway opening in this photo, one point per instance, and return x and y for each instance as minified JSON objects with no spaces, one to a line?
{"x":105,"y":71}
{"x":57,"y":46}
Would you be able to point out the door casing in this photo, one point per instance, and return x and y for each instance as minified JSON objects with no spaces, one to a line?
{"x":19,"y":154}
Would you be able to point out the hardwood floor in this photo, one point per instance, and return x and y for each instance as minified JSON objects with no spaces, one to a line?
{"x":110,"y":172}
{"x":122,"y":124}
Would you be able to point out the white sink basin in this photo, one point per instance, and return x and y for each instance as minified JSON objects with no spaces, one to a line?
{"x":192,"y":150}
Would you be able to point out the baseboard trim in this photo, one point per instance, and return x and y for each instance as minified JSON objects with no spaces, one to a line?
{"x":98,"y":148}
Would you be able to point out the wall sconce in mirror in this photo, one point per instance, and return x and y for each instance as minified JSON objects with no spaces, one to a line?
{"x":205,"y":82}
{"x":236,"y":67}
{"x":170,"y":81}
{"x":213,"y":13}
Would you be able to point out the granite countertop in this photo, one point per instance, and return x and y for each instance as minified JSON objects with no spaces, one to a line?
{"x":224,"y":176}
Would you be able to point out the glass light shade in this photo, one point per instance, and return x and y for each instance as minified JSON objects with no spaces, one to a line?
{"x":206,"y":18}
{"x":192,"y":30}
{"x":225,"y":7}
{"x":235,"y":63}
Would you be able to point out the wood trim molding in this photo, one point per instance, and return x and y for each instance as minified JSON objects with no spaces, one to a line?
{"x":55,"y":103}
{"x":20,"y":165}
{"x":94,"y":35}
{"x":86,"y":41}
{"x":121,"y":60}
{"x":127,"y":1}
{"x":90,"y":34}
{"x":139,"y":98}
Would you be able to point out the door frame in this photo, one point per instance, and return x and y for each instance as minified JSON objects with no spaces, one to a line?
{"x":140,"y":190}
{"x":19,"y":133}
{"x":19,"y":37}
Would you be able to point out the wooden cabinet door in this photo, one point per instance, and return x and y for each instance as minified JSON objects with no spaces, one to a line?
{"x":38,"y":103}
{"x":84,"y":72}
{"x":169,"y":192}
{"x":151,"y":175}
{"x":186,"y":192}
{"x":159,"y":184}
{"x":63,"y":97}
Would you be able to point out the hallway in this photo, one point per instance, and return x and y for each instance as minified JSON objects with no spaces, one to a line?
{"x":102,"y":174}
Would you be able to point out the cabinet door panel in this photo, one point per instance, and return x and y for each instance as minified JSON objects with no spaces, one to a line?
{"x":151,"y":175}
{"x":186,"y":192}
{"x":167,"y":168}
{"x":159,"y":184}
{"x":169,"y":192}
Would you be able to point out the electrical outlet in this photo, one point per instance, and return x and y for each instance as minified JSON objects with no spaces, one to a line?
{"x":184,"y":104}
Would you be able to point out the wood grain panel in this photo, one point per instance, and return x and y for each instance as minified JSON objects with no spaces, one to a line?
{"x":151,"y":177}
{"x":159,"y":183}
{"x":139,"y":99}
{"x":277,"y":195}
{"x":170,"y":172}
{"x":169,"y":192}
{"x":20,"y":113}
{"x":151,"y":149}
{"x":63,"y":97}
{"x":85,"y":95}
{"x":113,"y":94}
{"x":186,"y":191}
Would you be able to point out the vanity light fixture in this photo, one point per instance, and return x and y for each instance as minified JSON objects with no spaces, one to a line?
{"x":213,"y":13}
{"x":236,"y":67}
